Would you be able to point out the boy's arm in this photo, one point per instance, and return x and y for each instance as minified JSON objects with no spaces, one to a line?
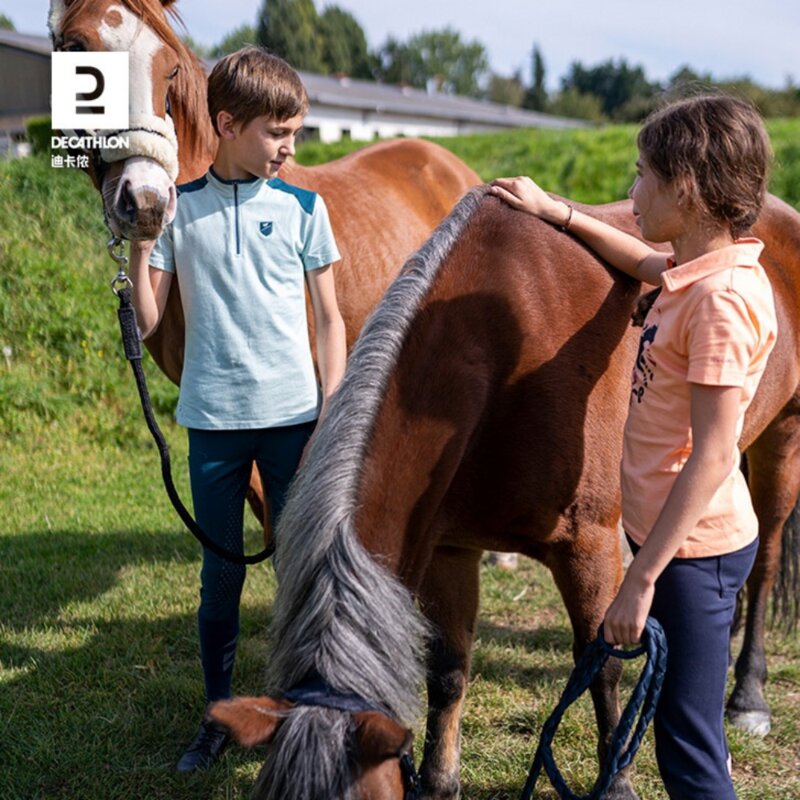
{"x":620,"y":249}
{"x":150,"y":287}
{"x":330,"y":332}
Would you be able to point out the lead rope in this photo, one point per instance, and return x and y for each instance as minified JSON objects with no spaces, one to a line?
{"x":121,"y":285}
{"x":644,"y":699}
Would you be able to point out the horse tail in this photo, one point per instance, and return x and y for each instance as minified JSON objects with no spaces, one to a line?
{"x":786,"y":589}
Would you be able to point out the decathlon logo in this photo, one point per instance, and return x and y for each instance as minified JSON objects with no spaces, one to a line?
{"x":90,"y":91}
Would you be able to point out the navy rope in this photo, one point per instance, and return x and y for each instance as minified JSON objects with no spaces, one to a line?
{"x":642,"y":703}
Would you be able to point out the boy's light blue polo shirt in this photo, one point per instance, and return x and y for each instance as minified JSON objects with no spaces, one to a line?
{"x":240,"y":250}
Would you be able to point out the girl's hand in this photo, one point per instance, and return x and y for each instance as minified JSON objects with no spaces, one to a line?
{"x":522,"y":193}
{"x":627,"y":614}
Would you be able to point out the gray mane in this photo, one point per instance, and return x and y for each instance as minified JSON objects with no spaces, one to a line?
{"x":337,"y":611}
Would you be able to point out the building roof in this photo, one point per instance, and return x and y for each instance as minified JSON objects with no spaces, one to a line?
{"x":26,"y":42}
{"x":386,"y":98}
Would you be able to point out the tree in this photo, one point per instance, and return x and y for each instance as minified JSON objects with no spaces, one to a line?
{"x":508,"y":91}
{"x":457,"y":67}
{"x":235,"y":40}
{"x":615,"y":84}
{"x":6,"y":24}
{"x":536,"y":95}
{"x":290,"y":29}
{"x":572,"y":103}
{"x":344,"y":45}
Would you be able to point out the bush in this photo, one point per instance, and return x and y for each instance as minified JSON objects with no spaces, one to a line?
{"x":39,"y":131}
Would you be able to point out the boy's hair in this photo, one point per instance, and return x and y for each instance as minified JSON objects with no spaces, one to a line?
{"x":718,"y":142}
{"x":251,"y":83}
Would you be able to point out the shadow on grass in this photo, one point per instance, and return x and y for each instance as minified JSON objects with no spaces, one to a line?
{"x":42,"y":572}
{"x":100,"y":703}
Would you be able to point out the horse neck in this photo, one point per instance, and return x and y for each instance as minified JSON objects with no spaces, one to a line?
{"x":197,"y":143}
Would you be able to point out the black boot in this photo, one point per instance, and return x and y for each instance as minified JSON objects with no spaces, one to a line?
{"x":205,"y":749}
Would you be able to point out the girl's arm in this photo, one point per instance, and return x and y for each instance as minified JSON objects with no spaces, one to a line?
{"x":150,"y":287}
{"x":620,"y":249}
{"x":714,"y":414}
{"x":330,"y":332}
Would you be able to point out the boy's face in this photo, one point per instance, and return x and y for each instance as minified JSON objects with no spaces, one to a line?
{"x":261,"y":147}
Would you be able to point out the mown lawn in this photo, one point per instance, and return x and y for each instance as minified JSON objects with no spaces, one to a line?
{"x":100,"y":684}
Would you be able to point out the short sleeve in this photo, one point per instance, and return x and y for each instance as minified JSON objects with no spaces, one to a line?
{"x":163,"y":255}
{"x":319,"y":246}
{"x":721,"y":340}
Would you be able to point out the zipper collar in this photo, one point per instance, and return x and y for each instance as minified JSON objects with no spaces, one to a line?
{"x":243,"y":188}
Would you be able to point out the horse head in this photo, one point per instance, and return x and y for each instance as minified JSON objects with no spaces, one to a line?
{"x":167,"y":104}
{"x":379,"y":758}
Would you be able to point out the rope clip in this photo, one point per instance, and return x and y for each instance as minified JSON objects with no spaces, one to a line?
{"x":116,"y":249}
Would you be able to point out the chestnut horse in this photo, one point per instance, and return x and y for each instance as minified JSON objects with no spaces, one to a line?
{"x":482,"y":408}
{"x":383,"y":200}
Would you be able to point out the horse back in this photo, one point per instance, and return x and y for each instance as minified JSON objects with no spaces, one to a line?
{"x":383,"y":201}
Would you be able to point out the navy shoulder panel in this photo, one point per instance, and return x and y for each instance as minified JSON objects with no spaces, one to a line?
{"x":306,"y":198}
{"x":192,"y":186}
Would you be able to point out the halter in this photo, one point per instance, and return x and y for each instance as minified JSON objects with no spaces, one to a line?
{"x":148,"y":136}
{"x":316,"y":691}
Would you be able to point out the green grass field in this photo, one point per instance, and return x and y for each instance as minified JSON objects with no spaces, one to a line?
{"x":100,"y":683}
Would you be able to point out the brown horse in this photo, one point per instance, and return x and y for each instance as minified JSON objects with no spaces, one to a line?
{"x":383,"y":200}
{"x":482,"y":408}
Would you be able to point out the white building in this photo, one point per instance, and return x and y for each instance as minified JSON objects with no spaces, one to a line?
{"x":340,"y":107}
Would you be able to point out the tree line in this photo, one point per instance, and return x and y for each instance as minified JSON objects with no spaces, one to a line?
{"x":332,"y":42}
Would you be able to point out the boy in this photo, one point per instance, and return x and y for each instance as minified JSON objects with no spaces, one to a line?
{"x":243,"y":245}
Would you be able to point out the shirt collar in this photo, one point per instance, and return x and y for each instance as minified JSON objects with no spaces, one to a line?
{"x":742,"y":253}
{"x":245,"y":187}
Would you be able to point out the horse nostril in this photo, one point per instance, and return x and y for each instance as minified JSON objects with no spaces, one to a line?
{"x":126,"y":202}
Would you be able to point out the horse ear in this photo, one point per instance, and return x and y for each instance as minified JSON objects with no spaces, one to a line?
{"x":380,"y":737}
{"x":251,"y":720}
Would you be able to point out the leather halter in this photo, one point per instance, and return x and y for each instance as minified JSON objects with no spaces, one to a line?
{"x":316,"y":691}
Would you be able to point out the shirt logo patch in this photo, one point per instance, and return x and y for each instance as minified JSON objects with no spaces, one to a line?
{"x":265,"y":228}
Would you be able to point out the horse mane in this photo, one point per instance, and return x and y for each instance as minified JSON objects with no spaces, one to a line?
{"x":337,"y":611}
{"x":188,"y":92}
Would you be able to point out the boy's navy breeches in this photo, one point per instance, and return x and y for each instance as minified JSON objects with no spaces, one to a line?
{"x":694,"y":601}
{"x":220,"y":464}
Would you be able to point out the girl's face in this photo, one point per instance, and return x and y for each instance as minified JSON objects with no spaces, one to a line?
{"x":656,"y":204}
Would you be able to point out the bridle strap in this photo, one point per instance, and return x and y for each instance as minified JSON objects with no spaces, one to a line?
{"x":316,"y":691}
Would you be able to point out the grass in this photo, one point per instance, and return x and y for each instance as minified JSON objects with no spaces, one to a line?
{"x":100,"y":683}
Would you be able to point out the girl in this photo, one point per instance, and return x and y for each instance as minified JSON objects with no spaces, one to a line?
{"x":686,"y":510}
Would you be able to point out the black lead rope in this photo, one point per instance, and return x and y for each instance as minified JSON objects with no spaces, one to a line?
{"x":643,"y":703}
{"x":133,"y":352}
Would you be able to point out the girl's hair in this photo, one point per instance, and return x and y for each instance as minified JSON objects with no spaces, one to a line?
{"x":252,"y":83}
{"x":720,"y":144}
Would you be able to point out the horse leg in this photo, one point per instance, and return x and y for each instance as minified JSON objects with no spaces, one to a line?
{"x":449,"y":599}
{"x":588,"y":572}
{"x":774,"y":485}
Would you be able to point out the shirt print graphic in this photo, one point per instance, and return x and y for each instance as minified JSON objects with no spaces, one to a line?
{"x":265,"y":228}
{"x":645,"y":366}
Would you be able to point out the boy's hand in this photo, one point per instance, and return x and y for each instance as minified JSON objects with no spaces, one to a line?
{"x":142,"y":246}
{"x":522,"y":193}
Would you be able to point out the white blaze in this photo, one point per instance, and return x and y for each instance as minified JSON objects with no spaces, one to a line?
{"x":141,"y":44}
{"x":57,"y":10}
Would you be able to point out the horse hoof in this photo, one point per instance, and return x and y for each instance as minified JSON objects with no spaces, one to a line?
{"x":756,"y":722}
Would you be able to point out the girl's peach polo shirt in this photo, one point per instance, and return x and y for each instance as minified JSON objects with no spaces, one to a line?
{"x":713,"y":323}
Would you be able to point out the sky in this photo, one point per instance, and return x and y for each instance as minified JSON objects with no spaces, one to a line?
{"x":728,"y":38}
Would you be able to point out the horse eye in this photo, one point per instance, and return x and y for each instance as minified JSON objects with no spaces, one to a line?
{"x":74,"y":47}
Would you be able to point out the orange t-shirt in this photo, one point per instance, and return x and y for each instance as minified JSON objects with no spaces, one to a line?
{"x":714,"y":324}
